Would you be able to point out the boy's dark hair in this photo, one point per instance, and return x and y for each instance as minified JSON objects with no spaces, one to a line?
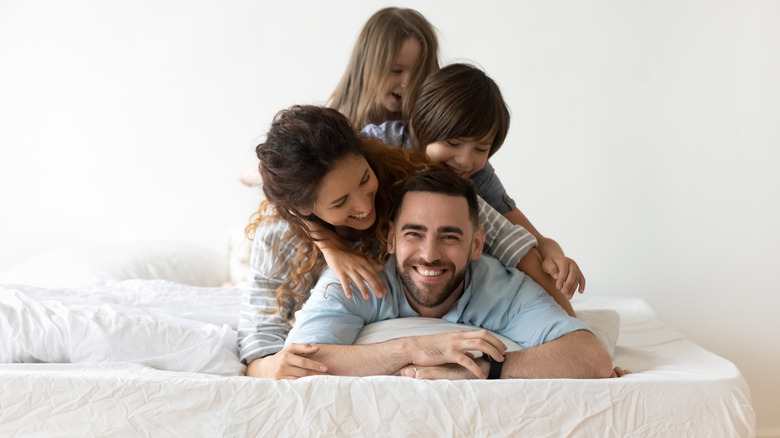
{"x":459,"y":101}
{"x":440,"y":181}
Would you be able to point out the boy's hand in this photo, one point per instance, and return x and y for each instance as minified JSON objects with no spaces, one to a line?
{"x":567,"y":275}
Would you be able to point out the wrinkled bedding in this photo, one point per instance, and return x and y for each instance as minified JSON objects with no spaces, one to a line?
{"x":156,"y":358}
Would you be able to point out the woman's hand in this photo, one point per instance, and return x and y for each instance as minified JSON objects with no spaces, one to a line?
{"x":357,"y":268}
{"x":287,"y":364}
{"x":566,"y":273}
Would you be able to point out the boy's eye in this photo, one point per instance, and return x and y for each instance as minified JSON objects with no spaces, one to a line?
{"x":453,"y":143}
{"x":482,"y":150}
{"x":365,"y":179}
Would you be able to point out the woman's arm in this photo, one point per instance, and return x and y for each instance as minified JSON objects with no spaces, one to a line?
{"x":262,"y":328}
{"x":290,"y":363}
{"x":348,"y":264}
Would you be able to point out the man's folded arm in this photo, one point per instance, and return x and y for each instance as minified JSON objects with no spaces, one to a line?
{"x":576,"y":355}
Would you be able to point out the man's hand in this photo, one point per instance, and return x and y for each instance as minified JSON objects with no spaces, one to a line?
{"x":454,"y":348}
{"x":287,"y":364}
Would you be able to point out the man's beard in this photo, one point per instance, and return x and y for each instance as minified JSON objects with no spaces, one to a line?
{"x":430,"y":296}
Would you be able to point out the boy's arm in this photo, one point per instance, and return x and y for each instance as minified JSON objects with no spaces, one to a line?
{"x":531,"y":265}
{"x":565,"y":271}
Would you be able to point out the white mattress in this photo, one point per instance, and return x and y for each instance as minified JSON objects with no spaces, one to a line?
{"x":676,"y":389}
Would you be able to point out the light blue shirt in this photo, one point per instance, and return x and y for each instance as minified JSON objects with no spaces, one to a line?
{"x":507,"y":302}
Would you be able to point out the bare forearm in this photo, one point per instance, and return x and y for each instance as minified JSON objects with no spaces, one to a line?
{"x":531,"y":265}
{"x":384,"y":358}
{"x":389,"y":357}
{"x":548,"y":247}
{"x":577,"y":355}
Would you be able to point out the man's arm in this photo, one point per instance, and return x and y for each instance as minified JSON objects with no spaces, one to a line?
{"x":577,"y":355}
{"x":386,"y":358}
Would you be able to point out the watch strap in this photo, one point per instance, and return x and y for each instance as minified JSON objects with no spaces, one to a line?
{"x":495,"y":368}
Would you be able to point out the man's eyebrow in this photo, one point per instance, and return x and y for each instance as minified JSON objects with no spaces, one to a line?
{"x":414,"y":227}
{"x":450,"y":229}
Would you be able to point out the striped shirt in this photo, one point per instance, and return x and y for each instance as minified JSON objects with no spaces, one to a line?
{"x":262,"y":329}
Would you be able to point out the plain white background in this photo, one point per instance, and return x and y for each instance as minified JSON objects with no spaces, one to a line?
{"x":645,"y":135}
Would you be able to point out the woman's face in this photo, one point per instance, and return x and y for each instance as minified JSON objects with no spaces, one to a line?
{"x":405,"y":63}
{"x":345,"y":197}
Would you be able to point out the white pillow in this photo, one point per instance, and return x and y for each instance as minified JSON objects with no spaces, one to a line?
{"x":604,"y":323}
{"x":34,"y":330}
{"x":381,"y":331}
{"x":78,"y":266}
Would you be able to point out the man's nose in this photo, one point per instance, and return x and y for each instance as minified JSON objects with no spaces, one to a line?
{"x":430,"y":251}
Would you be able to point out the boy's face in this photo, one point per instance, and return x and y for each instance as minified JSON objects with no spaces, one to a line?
{"x":464,"y":156}
{"x":405,"y":64}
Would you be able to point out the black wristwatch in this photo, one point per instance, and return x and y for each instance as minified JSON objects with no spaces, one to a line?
{"x":495,"y":367}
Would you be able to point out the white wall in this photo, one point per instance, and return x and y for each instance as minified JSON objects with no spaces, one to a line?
{"x":645,"y":135}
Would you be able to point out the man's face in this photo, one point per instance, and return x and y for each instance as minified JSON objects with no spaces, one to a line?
{"x":433,"y":241}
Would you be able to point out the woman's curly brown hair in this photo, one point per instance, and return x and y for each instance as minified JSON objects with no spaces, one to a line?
{"x":304,"y":143}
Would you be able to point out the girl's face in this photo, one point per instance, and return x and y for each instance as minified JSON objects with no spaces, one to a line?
{"x":346,"y":194}
{"x":464,"y":156}
{"x":405,"y":64}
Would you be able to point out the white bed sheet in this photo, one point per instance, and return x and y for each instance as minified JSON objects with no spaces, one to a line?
{"x":676,"y":389}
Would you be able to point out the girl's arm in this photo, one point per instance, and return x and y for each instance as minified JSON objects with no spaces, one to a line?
{"x":565,"y":271}
{"x":348,"y":264}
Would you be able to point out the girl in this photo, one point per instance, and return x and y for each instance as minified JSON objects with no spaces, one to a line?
{"x":394,"y":53}
{"x":320,"y":178}
{"x":460,"y":120}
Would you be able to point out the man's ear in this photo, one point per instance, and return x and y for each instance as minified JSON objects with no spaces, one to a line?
{"x":391,"y":238}
{"x":478,"y":243}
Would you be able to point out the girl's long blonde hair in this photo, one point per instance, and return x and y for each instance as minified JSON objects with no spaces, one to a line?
{"x":358,"y":93}
{"x":302,"y":146}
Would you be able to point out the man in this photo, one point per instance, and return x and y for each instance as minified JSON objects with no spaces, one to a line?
{"x":436,"y":266}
